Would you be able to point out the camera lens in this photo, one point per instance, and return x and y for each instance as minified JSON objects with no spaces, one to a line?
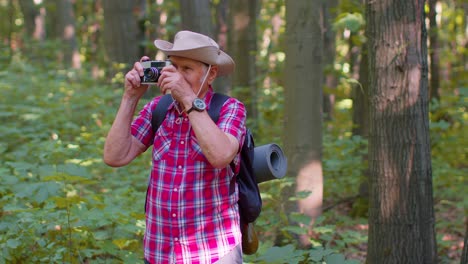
{"x":151,"y":74}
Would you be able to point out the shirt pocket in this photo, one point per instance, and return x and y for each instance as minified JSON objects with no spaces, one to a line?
{"x":196,"y":153}
{"x":162,"y":142}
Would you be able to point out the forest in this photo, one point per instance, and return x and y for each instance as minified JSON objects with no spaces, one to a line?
{"x":367,"y":99}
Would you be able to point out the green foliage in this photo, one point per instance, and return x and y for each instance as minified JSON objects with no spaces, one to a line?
{"x":351,"y":21}
{"x":59,"y":203}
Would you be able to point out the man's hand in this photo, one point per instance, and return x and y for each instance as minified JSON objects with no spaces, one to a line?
{"x":133,"y":86}
{"x":172,"y":81}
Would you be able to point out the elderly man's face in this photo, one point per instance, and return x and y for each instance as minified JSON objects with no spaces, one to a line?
{"x":193,"y":71}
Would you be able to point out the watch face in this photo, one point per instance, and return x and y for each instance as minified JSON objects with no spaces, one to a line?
{"x":199,"y":104}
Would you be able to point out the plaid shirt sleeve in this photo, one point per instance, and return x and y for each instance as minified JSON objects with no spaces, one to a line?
{"x":141,"y":125}
{"x":232,"y":121}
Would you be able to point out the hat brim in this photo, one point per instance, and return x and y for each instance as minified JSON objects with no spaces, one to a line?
{"x":224,"y":62}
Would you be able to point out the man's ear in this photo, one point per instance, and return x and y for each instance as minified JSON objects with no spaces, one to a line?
{"x":212,"y":74}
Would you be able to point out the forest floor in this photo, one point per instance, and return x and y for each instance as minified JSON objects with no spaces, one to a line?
{"x":450,"y":237}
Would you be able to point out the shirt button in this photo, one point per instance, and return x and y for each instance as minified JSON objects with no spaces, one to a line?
{"x":180,"y":167}
{"x":175,"y":189}
{"x":176,"y":239}
{"x":174,"y":215}
{"x":182,"y":142}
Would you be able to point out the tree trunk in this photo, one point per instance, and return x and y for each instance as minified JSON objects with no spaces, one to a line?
{"x":66,"y":30}
{"x":464,"y":257}
{"x":222,"y":83}
{"x":11,"y":17}
{"x":434,"y":52}
{"x":29,"y":10}
{"x":154,"y":29}
{"x":120,"y":32}
{"x":52,"y":24}
{"x":329,"y":49}
{"x":196,"y":16}
{"x":243,"y":48}
{"x":360,"y":97}
{"x":401,"y":213}
{"x":303,"y":102}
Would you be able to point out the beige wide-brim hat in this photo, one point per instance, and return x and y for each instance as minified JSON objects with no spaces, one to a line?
{"x":197,"y":47}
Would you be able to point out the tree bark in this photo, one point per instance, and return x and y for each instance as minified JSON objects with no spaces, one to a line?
{"x":243,"y":48}
{"x":401,"y":213}
{"x":303,"y":102}
{"x":196,"y":16}
{"x":120,"y":31}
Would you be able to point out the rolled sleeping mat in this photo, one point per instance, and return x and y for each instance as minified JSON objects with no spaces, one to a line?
{"x":269,"y":163}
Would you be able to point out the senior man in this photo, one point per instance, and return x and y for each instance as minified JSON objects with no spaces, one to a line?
{"x":192,"y":214}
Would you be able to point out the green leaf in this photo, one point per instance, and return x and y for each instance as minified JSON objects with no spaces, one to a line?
{"x":300,"y":218}
{"x":316,"y":254}
{"x":296,"y":230}
{"x":325,"y":229}
{"x":335,"y":259}
{"x":352,"y":21}
{"x":301,"y":195}
{"x":9,"y":180}
{"x":279,"y":255}
{"x":13,"y":243}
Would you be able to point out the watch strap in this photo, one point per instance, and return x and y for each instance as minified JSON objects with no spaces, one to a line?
{"x":190,"y":110}
{"x":195,"y":107}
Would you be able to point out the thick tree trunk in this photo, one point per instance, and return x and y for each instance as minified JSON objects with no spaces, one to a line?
{"x":243,"y":48}
{"x":401,"y":214}
{"x":303,"y":102}
{"x":196,"y":16}
{"x":120,"y":31}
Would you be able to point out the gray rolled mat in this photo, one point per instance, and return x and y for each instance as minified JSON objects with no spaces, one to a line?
{"x":269,"y":163}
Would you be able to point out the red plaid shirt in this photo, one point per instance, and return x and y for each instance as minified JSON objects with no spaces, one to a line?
{"x":191,"y":212}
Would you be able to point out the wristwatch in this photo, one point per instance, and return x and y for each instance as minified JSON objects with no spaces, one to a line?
{"x":197,"y":105}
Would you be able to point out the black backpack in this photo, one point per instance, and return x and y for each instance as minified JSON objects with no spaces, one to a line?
{"x":250,"y":202}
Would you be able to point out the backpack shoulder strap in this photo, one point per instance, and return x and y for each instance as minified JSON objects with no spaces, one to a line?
{"x":216,"y":104}
{"x":159,"y":113}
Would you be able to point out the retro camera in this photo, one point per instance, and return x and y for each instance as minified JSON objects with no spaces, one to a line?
{"x":152,"y":70}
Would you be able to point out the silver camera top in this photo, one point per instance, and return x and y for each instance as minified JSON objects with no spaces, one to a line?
{"x":152,"y":70}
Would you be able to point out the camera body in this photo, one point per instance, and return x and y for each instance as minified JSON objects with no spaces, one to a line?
{"x":152,"y":70}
